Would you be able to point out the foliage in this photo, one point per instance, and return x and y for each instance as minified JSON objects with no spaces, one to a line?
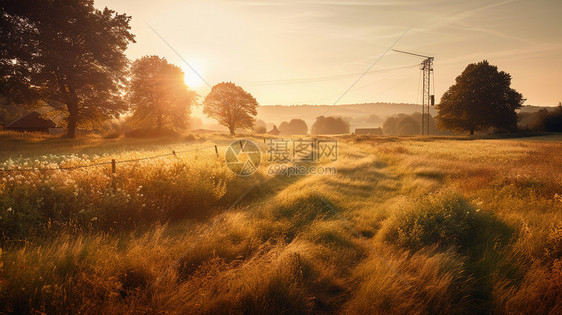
{"x":329,"y":125}
{"x":293,"y":127}
{"x":545,"y":120}
{"x":66,"y":53}
{"x":401,"y":125}
{"x":158,"y":94}
{"x":446,"y":220}
{"x":231,"y":106}
{"x":481,"y":98}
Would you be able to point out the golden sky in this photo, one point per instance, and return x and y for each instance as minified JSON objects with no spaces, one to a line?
{"x":310,"y":52}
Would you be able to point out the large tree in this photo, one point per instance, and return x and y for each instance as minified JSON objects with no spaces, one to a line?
{"x":66,"y":53}
{"x":158,"y":94}
{"x":231,"y":106}
{"x":481,"y":98}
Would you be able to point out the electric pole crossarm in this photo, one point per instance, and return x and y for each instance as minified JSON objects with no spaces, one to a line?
{"x":409,"y":53}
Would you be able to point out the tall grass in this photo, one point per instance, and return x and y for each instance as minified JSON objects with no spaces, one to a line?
{"x":406,"y":226}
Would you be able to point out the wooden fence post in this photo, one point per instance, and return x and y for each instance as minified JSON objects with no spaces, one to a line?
{"x":216,"y":150}
{"x":113,"y":171}
{"x":174,"y":152}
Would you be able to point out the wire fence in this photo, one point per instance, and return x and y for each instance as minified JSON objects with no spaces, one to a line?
{"x":112,"y":162}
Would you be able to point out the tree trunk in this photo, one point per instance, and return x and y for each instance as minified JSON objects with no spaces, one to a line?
{"x":159,"y":122}
{"x":472,"y":131}
{"x":72,"y":107}
{"x":231,"y":128}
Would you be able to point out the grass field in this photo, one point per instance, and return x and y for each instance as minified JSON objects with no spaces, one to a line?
{"x":407,"y":225}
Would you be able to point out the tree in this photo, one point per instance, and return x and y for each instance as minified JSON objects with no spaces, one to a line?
{"x":231,"y":106}
{"x":481,"y":98}
{"x":158,"y":94}
{"x":293,"y":127}
{"x":329,"y":125}
{"x":66,"y":53}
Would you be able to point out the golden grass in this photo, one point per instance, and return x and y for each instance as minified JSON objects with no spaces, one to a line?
{"x":407,"y":225}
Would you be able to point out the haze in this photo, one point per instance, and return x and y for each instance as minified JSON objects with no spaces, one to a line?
{"x":269,"y":47}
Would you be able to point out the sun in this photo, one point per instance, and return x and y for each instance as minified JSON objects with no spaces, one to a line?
{"x":192,"y":79}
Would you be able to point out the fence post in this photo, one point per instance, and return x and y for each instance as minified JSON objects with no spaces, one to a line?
{"x":216,"y":150}
{"x":113,"y":171}
{"x":174,"y":152}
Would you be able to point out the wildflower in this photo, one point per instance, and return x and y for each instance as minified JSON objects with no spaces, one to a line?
{"x":9,"y":209}
{"x":94,"y":219}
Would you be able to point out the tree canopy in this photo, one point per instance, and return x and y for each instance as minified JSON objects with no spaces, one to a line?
{"x":481,"y":98}
{"x":158,"y":95}
{"x":293,"y":127}
{"x":329,"y":125}
{"x":66,"y":53}
{"x":231,"y":106}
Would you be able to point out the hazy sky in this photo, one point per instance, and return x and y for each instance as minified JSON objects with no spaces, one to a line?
{"x":310,"y":52}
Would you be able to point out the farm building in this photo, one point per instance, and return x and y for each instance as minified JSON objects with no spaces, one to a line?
{"x":369,"y":131}
{"x":32,"y":122}
{"x":274,"y":131}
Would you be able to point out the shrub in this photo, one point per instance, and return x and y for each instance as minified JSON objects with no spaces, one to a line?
{"x":445,"y":220}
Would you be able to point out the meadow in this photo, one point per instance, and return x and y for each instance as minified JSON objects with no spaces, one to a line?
{"x":407,"y":225}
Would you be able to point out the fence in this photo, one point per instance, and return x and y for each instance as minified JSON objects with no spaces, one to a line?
{"x":113,"y":162}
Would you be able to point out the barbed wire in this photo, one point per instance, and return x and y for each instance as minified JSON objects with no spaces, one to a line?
{"x":62,"y":168}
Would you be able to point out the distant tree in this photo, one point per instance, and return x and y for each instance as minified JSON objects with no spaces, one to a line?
{"x":549,"y":121}
{"x":481,"y":98}
{"x":374,"y":119}
{"x":66,"y":53}
{"x":260,"y":127}
{"x":294,"y":127}
{"x":231,"y":106}
{"x":402,"y":125}
{"x":408,"y":126}
{"x":329,"y":125}
{"x":260,"y":130}
{"x":389,"y":126}
{"x":158,"y":94}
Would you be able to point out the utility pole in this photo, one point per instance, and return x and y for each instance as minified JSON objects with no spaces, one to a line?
{"x":428,"y":99}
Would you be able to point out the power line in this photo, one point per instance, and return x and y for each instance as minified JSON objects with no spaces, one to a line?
{"x":320,"y":78}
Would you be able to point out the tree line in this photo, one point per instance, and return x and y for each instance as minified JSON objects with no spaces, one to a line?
{"x":71,"y":56}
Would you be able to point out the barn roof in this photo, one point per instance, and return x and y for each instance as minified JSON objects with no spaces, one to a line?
{"x":31,"y":120}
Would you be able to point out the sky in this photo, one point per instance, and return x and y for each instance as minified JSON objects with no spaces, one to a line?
{"x":288,"y":52}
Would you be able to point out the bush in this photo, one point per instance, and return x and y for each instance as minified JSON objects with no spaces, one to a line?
{"x":444,"y":220}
